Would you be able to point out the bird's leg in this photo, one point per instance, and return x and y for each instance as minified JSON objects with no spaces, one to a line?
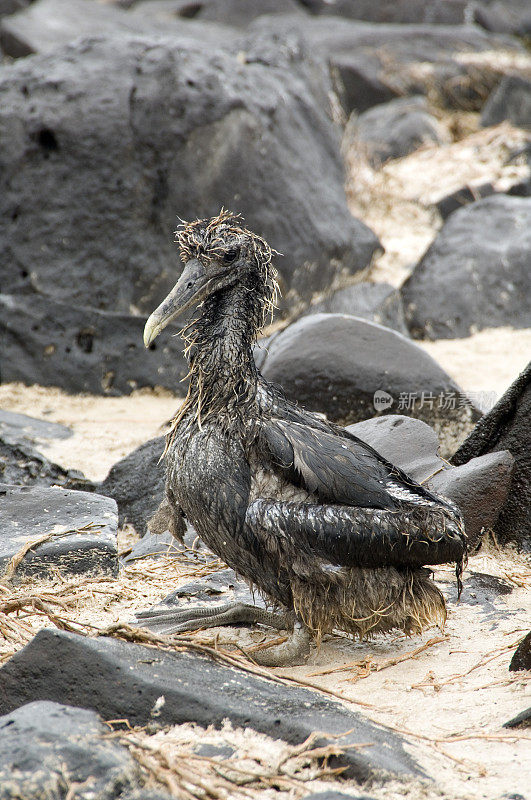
{"x":294,"y":651}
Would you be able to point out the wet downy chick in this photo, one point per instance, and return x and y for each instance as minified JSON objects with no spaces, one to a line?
{"x":330,"y":533}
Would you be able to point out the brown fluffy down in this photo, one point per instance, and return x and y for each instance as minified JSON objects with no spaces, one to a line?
{"x":365,"y":602}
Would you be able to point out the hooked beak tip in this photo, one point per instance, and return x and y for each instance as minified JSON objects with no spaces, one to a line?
{"x":151,"y":331}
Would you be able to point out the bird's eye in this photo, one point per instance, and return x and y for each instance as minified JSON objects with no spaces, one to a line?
{"x":231,"y":255}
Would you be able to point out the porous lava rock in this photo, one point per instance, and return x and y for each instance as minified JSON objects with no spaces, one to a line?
{"x":169,"y":128}
{"x":476,"y":273}
{"x":60,"y":529}
{"x":83,"y":349}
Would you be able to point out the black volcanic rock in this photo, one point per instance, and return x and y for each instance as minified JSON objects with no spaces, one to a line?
{"x":46,"y":747}
{"x":376,"y":302}
{"x":122,"y":680}
{"x":462,"y":197}
{"x":475,"y":274}
{"x":506,"y":427}
{"x":395,"y":129}
{"x":510,"y":100}
{"x":334,"y":363}
{"x":47,"y":25}
{"x":22,"y":465}
{"x":168,"y":128}
{"x":18,"y":429}
{"x":504,"y":16}
{"x":240,"y":13}
{"x":373,"y":63}
{"x":449,"y":12}
{"x":479,"y":488}
{"x":406,"y":442}
{"x":522,"y":720}
{"x":522,"y":655}
{"x":77,"y":531}
{"x":83,"y":349}
{"x":12,"y":6}
{"x":136,"y":482}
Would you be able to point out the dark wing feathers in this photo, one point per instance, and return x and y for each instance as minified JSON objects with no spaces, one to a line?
{"x":335,"y":469}
{"x":372,"y":513}
{"x":290,"y":426}
{"x":359,"y":537}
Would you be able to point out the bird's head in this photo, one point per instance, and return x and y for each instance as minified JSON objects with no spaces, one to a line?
{"x":217,"y":253}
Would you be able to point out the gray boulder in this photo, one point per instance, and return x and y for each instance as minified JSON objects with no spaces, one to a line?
{"x":478,"y":488}
{"x":510,"y":100}
{"x":506,"y":427}
{"x":406,"y":442}
{"x":12,"y":6}
{"x":240,"y":13}
{"x":47,"y":25}
{"x":395,"y":129}
{"x":504,"y":16}
{"x":522,"y":655}
{"x":18,"y":429}
{"x":168,"y":129}
{"x":125,"y":680}
{"x":373,"y":63}
{"x":76,"y":531}
{"x":462,"y":197}
{"x":351,"y":369}
{"x":47,"y":748}
{"x":136,"y":483}
{"x":83,"y":349}
{"x":22,"y":465}
{"x":376,"y":302}
{"x":475,"y":274}
{"x":449,"y":12}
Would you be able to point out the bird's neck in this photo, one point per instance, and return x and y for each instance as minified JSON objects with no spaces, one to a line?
{"x":223,"y":375}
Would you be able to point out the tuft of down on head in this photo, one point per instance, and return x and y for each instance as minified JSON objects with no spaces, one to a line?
{"x":223,"y":238}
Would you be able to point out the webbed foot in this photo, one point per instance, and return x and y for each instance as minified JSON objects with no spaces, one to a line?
{"x":294,"y":651}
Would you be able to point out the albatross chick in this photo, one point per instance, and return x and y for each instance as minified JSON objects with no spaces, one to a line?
{"x":330,"y":533}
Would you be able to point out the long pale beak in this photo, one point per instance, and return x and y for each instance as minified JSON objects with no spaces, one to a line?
{"x":189,"y":289}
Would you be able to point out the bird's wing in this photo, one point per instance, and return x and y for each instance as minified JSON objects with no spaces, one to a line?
{"x":357,"y":474}
{"x":338,"y":468}
{"x":342,"y":536}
